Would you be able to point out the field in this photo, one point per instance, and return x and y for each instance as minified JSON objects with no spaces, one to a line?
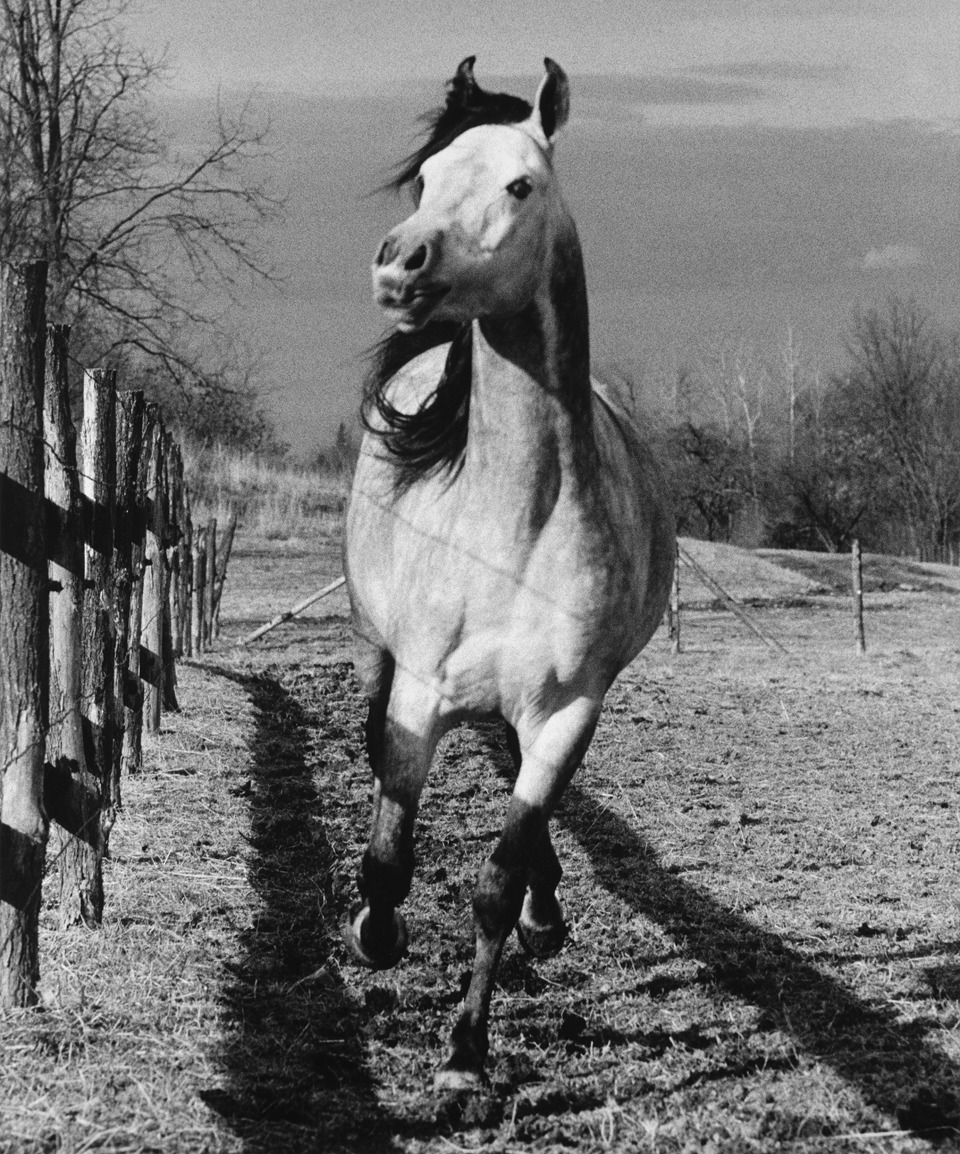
{"x":762,"y":857}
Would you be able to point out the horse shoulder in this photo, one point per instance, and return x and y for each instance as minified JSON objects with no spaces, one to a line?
{"x":638,"y":507}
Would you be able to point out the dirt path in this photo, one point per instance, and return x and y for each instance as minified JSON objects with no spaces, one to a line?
{"x":762,"y":863}
{"x":762,"y":868}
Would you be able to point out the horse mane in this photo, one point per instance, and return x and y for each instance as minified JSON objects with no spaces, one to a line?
{"x":433,"y":439}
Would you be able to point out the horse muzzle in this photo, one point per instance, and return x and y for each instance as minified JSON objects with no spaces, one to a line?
{"x":410,"y":310}
{"x":403,"y":282}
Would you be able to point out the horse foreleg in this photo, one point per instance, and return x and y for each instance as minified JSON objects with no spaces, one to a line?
{"x":523,"y":856}
{"x":541,"y":928}
{"x":497,"y":901}
{"x":400,"y":754}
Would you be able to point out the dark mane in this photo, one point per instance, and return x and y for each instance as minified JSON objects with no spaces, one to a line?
{"x":467,"y":106}
{"x":434,"y":438}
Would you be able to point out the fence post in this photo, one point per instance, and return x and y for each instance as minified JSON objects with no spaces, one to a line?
{"x":133,"y":700}
{"x":186,"y":576}
{"x":169,"y":547}
{"x":82,"y":861}
{"x":176,"y":552}
{"x":675,"y":603}
{"x":128,"y":572}
{"x":71,"y":788}
{"x":154,"y":586}
{"x":199,"y":587}
{"x":856,"y":561}
{"x":23,"y":628}
{"x":211,"y":587}
{"x":223,"y":560}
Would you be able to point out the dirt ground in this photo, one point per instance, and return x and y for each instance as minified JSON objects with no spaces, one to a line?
{"x":762,"y":873}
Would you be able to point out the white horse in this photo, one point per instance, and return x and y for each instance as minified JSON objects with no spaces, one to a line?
{"x":509,"y":541}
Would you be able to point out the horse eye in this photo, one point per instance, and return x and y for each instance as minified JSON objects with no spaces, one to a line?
{"x":520,"y":188}
{"x":416,"y":189}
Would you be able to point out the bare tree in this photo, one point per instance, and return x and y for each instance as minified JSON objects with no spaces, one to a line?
{"x":735,"y":382}
{"x":791,"y":379}
{"x":902,"y":394}
{"x":89,"y":183}
{"x":708,"y":478}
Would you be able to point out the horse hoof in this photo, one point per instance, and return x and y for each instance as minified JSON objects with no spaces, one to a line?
{"x":542,"y":941}
{"x":353,"y":925}
{"x":457,"y":1080}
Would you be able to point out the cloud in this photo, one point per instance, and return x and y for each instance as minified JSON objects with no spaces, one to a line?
{"x":662,"y":90}
{"x":772,"y":70}
{"x":894,"y":256}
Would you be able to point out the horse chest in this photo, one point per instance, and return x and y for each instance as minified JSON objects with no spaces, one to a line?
{"x":502,"y":634}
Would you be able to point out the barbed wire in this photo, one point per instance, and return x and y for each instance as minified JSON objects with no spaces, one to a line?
{"x":70,"y":467}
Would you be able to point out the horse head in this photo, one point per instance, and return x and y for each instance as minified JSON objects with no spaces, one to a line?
{"x":486,"y":202}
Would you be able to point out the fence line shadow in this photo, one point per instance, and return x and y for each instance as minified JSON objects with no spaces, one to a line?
{"x":889,"y":1062}
{"x":294,"y":1054}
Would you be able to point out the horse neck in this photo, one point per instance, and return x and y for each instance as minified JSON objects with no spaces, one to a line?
{"x":530,"y":405}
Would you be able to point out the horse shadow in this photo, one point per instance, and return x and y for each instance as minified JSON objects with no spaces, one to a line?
{"x":294,"y":1057}
{"x":890,"y":1062}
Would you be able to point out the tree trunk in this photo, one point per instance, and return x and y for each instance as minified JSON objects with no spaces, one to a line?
{"x":23,"y":629}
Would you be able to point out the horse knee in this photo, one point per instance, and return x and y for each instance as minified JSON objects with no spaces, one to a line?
{"x":498,"y":898}
{"x":374,"y":732}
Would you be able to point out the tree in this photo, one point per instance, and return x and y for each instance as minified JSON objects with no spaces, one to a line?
{"x":824,"y":495}
{"x":902,"y":396}
{"x":89,"y":183}
{"x":340,"y":457}
{"x":708,"y":477}
{"x":734,"y":382}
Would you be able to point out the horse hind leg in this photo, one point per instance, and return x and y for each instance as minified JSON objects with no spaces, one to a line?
{"x":400,"y":753}
{"x":541,"y":927}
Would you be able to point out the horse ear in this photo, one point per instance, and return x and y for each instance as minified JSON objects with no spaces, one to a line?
{"x":462,"y":85}
{"x":551,"y":105}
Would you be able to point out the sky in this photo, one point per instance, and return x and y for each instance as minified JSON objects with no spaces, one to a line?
{"x":736,"y":167}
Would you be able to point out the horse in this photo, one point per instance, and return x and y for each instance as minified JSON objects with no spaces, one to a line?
{"x":509,"y":543}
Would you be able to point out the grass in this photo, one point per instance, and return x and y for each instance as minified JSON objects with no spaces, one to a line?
{"x":275,"y":498}
{"x":116,"y":1058}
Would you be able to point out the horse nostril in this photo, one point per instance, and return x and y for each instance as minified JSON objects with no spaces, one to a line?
{"x":417,"y":259}
{"x":387,"y":251}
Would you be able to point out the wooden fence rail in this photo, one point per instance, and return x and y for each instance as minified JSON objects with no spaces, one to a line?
{"x":96,"y":591}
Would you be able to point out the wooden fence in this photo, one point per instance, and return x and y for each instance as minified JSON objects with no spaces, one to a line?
{"x":104,"y":583}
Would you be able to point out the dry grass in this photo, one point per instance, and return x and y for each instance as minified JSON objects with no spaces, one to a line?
{"x":275,"y":499}
{"x":119,"y":1053}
